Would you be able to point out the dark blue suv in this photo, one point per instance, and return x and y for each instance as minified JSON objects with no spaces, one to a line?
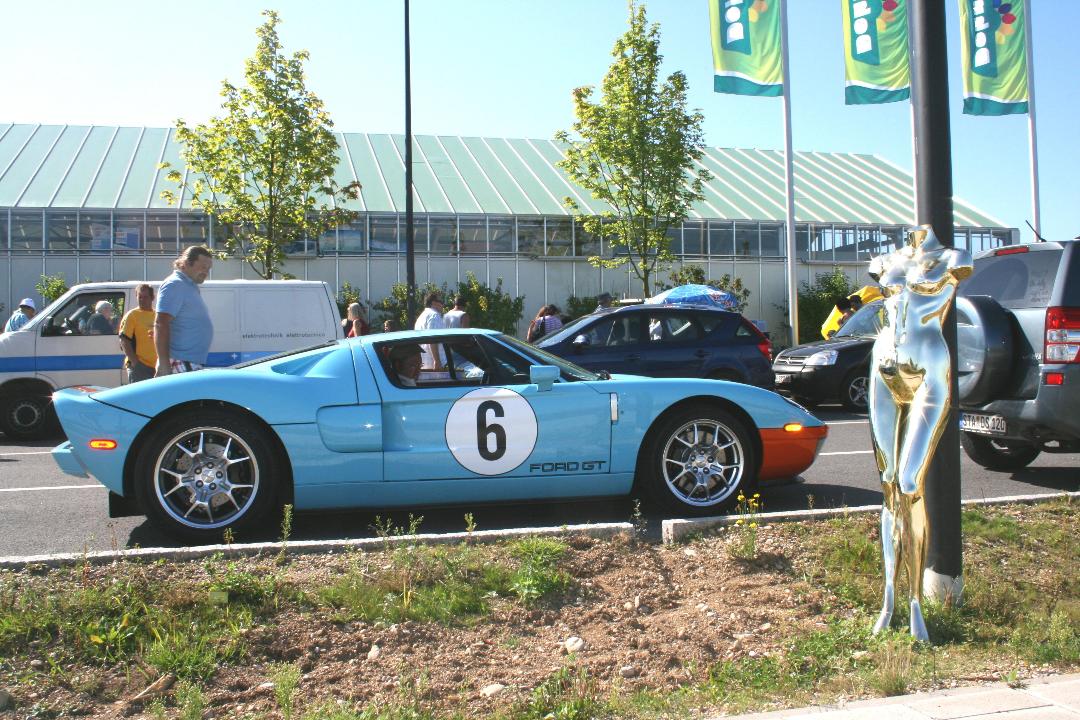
{"x":667,"y":341}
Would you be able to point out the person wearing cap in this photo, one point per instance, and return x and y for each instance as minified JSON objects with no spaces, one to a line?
{"x":405,"y":360}
{"x":604,"y":301}
{"x":27,"y":310}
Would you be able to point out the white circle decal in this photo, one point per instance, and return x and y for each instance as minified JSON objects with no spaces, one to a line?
{"x":491,"y":430}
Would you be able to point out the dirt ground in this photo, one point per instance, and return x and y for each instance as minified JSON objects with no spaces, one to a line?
{"x":640,"y":616}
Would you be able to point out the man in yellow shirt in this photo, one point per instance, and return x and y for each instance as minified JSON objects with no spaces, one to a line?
{"x":137,"y":337}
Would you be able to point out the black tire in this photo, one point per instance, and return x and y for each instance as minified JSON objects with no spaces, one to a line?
{"x":854,"y":391}
{"x":994,"y":454}
{"x":203,"y":471}
{"x":716,"y":466}
{"x":26,"y":415}
{"x":984,"y":342}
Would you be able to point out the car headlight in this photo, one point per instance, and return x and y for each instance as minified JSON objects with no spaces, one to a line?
{"x":824,"y":357}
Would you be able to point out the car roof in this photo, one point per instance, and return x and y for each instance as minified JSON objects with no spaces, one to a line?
{"x":648,"y":307}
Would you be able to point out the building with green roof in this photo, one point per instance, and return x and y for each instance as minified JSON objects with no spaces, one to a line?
{"x":85,"y":201}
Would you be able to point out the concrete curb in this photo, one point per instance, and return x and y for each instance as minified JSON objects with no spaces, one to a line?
{"x":603,"y":531}
{"x":997,"y":700}
{"x":674,"y":531}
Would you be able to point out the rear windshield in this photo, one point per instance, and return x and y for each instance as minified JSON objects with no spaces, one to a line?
{"x":1022,"y":280}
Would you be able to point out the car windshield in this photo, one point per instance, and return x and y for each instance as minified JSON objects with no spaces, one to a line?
{"x":567,"y":331}
{"x":568,"y":369}
{"x":866,"y":322}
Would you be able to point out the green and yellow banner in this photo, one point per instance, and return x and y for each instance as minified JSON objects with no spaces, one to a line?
{"x":746,"y":47}
{"x":875,"y":51}
{"x":993,"y":54}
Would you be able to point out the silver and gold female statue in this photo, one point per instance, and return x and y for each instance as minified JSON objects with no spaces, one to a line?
{"x":910,"y":383}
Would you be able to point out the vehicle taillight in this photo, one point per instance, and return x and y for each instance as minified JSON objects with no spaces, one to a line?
{"x":763,"y":345}
{"x":1012,"y":250}
{"x":1062,"y":335}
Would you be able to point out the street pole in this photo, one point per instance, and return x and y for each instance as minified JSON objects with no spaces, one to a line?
{"x":410,"y":251}
{"x":942,"y":578}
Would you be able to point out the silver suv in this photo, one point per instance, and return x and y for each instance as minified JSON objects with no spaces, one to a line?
{"x":1018,"y":327}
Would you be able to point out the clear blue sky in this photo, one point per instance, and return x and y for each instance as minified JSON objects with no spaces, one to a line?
{"x":506,"y":68}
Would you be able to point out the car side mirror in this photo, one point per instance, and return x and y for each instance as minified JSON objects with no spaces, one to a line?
{"x":543,"y":376}
{"x":580,"y":343}
{"x":48,"y":329}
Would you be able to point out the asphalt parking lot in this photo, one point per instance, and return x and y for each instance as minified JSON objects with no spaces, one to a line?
{"x":46,"y":511}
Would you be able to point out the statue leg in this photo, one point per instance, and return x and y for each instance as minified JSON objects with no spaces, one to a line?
{"x":915,"y":557}
{"x":885,"y":416}
{"x":925,"y":422}
{"x":890,"y":554}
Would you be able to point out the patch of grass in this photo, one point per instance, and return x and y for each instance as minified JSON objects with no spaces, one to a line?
{"x":190,"y":701}
{"x":977,"y":524}
{"x":567,"y":694}
{"x":892,"y":672}
{"x":1048,"y":639}
{"x":422,"y":583}
{"x":848,"y":558}
{"x":286,"y":679}
{"x":254,"y":587}
{"x":538,"y":574}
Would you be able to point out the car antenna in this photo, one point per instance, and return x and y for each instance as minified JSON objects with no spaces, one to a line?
{"x":1038,"y":237}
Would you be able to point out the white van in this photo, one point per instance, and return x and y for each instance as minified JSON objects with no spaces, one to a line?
{"x":252,"y":318}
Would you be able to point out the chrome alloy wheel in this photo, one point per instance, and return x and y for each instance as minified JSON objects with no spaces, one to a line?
{"x":703,"y":463}
{"x":857,"y":391}
{"x":206,"y":477}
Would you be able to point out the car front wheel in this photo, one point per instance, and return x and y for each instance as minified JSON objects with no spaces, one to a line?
{"x":698,"y":461}
{"x":994,"y":454}
{"x":203,"y":472}
{"x":853,"y":392}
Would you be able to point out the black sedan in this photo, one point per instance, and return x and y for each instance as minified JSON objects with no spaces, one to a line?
{"x":835,"y":369}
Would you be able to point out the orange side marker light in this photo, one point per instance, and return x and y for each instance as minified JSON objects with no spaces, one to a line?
{"x":792,"y":427}
{"x":103,"y":444}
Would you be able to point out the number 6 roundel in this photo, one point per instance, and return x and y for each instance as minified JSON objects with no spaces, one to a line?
{"x":491,"y":431}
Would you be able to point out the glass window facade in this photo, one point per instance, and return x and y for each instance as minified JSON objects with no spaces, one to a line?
{"x":164,"y":232}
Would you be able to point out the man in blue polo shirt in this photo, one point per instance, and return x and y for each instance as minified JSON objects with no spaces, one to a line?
{"x":182,"y":326}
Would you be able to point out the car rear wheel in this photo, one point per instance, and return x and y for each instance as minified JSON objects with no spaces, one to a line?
{"x":854,"y":391}
{"x":994,"y":454}
{"x":203,"y":472}
{"x":25,"y":415}
{"x":699,"y":459}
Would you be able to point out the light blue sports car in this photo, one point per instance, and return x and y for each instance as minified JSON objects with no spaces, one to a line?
{"x":420,"y":419}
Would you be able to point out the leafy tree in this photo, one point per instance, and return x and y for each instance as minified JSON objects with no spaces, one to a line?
{"x":576,"y":306}
{"x":396,"y":306}
{"x":260,"y":168}
{"x":50,"y":287}
{"x":635,"y":150}
{"x":695,"y":275}
{"x":490,"y":307}
{"x":346,"y":297}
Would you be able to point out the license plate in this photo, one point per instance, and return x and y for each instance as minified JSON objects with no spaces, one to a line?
{"x":984,"y":424}
{"x":782,"y":379}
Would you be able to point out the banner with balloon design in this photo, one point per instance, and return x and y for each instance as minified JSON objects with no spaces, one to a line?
{"x":993,"y":54}
{"x":875,"y":51}
{"x":746,"y":47}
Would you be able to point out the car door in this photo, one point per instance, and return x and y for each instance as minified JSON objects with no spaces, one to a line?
{"x":612,"y":343}
{"x":674,"y":345}
{"x":480,"y":418}
{"x":73,"y":348}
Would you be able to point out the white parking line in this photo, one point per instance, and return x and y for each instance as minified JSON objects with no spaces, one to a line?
{"x":51,"y":487}
{"x":848,"y":422}
{"x":849,"y":452}
{"x":36,"y":452}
